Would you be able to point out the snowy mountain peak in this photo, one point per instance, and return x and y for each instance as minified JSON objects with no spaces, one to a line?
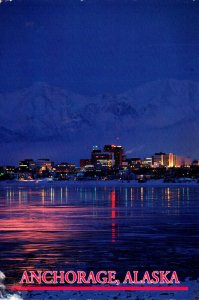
{"x":160,"y":113}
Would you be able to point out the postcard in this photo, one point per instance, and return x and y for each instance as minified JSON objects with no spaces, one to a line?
{"x":99,"y":149}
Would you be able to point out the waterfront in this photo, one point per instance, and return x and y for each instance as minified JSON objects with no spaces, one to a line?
{"x":99,"y":228}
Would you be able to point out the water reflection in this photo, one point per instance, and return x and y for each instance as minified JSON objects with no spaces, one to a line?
{"x":76,"y":226}
{"x":113,"y":215}
{"x":141,"y":197}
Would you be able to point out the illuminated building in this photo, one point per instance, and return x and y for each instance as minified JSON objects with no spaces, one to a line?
{"x":104,"y":159}
{"x":195,"y":163}
{"x":183,"y":161}
{"x":118,"y":153}
{"x":89,"y":168}
{"x":9,"y":169}
{"x":157,"y":159}
{"x":7,"y":172}
{"x":65,"y":168}
{"x":26,"y":169}
{"x":147,"y":162}
{"x":164,"y":159}
{"x":84,"y":162}
{"x":95,"y":151}
{"x":169,"y":160}
{"x":44,"y":164}
{"x":135,"y":161}
{"x":27,"y":165}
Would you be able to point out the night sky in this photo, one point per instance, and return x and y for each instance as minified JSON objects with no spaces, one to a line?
{"x":96,"y":47}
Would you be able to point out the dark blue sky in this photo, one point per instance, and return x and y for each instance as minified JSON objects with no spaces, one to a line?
{"x":97,"y":46}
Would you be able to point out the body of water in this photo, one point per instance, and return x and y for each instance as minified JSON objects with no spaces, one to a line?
{"x":99,"y":228}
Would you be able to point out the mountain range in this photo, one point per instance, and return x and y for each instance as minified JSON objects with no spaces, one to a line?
{"x":47,"y":121}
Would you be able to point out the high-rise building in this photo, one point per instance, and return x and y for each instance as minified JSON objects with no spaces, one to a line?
{"x":95,"y":151}
{"x":118,"y":153}
{"x":104,"y":159}
{"x":164,"y":159}
{"x":169,"y":160}
{"x":157,"y":159}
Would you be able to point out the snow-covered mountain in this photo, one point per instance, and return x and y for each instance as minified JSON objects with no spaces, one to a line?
{"x":49,"y":121}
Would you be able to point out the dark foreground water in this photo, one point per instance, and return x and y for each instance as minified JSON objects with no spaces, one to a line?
{"x":99,"y":228}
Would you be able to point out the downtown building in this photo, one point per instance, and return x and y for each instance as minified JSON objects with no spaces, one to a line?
{"x":101,"y":158}
{"x":163,"y":160}
{"x":118,"y":153}
{"x":110,"y":156}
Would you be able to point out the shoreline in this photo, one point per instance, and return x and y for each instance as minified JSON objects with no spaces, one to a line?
{"x":99,"y":183}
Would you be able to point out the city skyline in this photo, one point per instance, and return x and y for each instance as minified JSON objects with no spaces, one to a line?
{"x":104,"y":150}
{"x":106,"y":163}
